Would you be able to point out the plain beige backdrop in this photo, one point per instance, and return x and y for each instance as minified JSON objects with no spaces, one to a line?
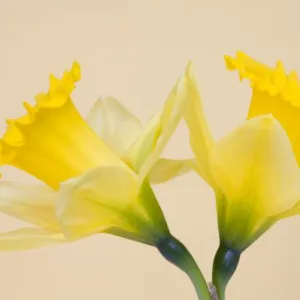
{"x":135,"y":50}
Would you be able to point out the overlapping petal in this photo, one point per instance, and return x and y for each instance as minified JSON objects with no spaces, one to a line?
{"x":112,"y":122}
{"x":96,"y":200}
{"x":100,"y":174}
{"x":160,"y":129}
{"x":255,"y":167}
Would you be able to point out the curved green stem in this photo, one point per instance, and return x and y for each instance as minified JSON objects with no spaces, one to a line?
{"x":225,"y":263}
{"x":176,"y":253}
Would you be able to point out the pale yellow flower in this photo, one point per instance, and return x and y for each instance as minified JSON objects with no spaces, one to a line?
{"x":253,"y":170}
{"x":96,"y":179}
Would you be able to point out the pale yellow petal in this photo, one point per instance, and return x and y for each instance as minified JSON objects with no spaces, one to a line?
{"x":114,"y":124}
{"x":144,"y":145}
{"x":96,"y":201}
{"x":167,"y":169}
{"x":201,"y":139}
{"x":161,"y":129}
{"x":28,"y":238}
{"x":255,"y":168}
{"x":30,"y":203}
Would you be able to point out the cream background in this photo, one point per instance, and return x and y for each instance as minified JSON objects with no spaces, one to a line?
{"x":135,"y":50}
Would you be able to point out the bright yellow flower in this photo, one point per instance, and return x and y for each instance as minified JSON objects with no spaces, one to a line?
{"x":96,"y":180}
{"x":253,"y":170}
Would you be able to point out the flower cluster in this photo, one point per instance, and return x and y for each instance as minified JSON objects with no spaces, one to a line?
{"x":79,"y":162}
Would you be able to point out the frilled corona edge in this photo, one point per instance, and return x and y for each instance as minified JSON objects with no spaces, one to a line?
{"x":57,"y":95}
{"x":274,"y":81}
{"x":52,"y":141}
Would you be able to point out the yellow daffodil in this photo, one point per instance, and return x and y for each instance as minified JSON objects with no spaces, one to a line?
{"x":95,"y":177}
{"x":275,"y":93}
{"x":254,"y":170}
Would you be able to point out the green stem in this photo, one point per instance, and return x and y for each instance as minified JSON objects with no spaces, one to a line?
{"x":225,"y":263}
{"x":176,"y":253}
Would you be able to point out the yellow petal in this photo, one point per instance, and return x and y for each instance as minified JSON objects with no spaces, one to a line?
{"x":96,"y":201}
{"x":138,"y":153}
{"x":53,"y":142}
{"x":274,"y":91}
{"x":28,"y":238}
{"x":167,"y":169}
{"x":110,"y":200}
{"x":159,"y":131}
{"x":257,"y":173}
{"x":30,"y":203}
{"x":201,"y":139}
{"x":114,"y":124}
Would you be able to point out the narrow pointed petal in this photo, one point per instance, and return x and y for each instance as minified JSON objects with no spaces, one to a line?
{"x":114,"y":124}
{"x":28,"y":238}
{"x":154,"y":138}
{"x":167,"y":169}
{"x":201,"y":139}
{"x":31,"y":203}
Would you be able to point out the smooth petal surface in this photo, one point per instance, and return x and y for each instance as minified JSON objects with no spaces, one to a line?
{"x":31,"y":203}
{"x":255,"y":168}
{"x":96,"y":201}
{"x":167,"y":169}
{"x":145,"y":143}
{"x":273,"y":91}
{"x":201,"y":139}
{"x":154,"y":138}
{"x":114,"y":124}
{"x":28,"y":238}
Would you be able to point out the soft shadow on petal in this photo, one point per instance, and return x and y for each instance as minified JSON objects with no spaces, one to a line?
{"x":114,"y":124}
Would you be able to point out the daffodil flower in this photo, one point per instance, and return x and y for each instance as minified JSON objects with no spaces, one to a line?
{"x":96,"y":173}
{"x":275,"y":93}
{"x":95,"y":180}
{"x":254,"y":170}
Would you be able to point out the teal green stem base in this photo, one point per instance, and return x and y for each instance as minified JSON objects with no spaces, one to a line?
{"x":176,"y":253}
{"x":225,"y":263}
